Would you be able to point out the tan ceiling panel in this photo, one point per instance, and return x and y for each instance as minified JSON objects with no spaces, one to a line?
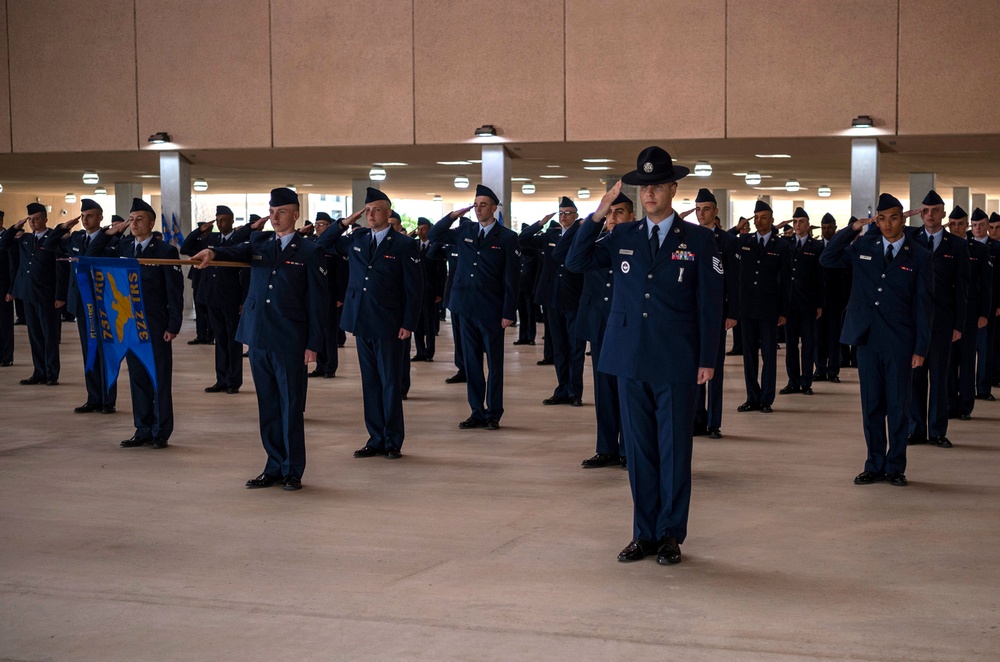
{"x":667,"y":79}
{"x":806,"y":68}
{"x":204,"y":72}
{"x":4,"y":86}
{"x":342,"y":72}
{"x":494,"y":62}
{"x":949,"y":65}
{"x":72,"y":89}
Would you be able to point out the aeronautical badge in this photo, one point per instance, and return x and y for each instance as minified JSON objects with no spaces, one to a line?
{"x":717,"y":265}
{"x":647,"y":167}
{"x":626,"y":267}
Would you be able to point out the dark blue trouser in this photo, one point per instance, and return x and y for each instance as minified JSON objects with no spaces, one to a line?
{"x":709,"y":413}
{"x":568,"y":353}
{"x":6,"y":330}
{"x":481,"y":337}
{"x":828,"y":329}
{"x":962,"y":371}
{"x":280,"y":379}
{"x":456,"y":334}
{"x":424,"y":336}
{"x":42,"y":320}
{"x":527,"y":325}
{"x":153,"y":408}
{"x":97,"y":392}
{"x":885,"y":399}
{"x":657,"y":422}
{"x":801,"y":325}
{"x":381,"y":362}
{"x":404,"y":365}
{"x":930,"y":418}
{"x":609,"y":415}
{"x":760,"y":344}
{"x":984,"y":357}
{"x":228,"y":351}
{"x":328,"y":360}
{"x":547,"y":335}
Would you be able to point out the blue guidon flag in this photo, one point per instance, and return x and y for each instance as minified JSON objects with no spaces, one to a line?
{"x":111,"y":292}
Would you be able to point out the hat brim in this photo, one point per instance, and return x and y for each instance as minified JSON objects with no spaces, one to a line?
{"x":636,"y":178}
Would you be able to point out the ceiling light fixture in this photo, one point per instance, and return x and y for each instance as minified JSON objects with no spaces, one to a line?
{"x":1,"y":188}
{"x":391,"y":164}
{"x":792,"y":185}
{"x":583,"y":193}
{"x":702,"y":169}
{"x":437,"y":198}
{"x":200,"y":185}
{"x":456,"y":163}
{"x":863,"y":122}
{"x":598,"y":160}
{"x":528,"y":188}
{"x":773,"y":156}
{"x":486,"y":131}
{"x":752,"y":178}
{"x":159,"y":138}
{"x":90,"y":177}
{"x":552,"y":176}
{"x":824,"y":191}
{"x":461,"y":182}
{"x":520,"y":179}
{"x":100,"y":190}
{"x":597,"y":167}
{"x":71,"y":198}
{"x":376,"y":174}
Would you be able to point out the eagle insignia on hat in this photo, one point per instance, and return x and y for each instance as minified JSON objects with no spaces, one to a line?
{"x":647,"y":167}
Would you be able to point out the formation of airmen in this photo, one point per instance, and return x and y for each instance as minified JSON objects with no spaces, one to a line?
{"x":915,"y":309}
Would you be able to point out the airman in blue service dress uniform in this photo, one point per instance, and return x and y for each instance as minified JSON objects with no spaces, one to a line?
{"x":765,"y":277}
{"x":836,"y":289}
{"x":163,"y":299}
{"x":805,"y":306}
{"x":434,"y":276}
{"x":559,"y":291}
{"x":337,"y":269}
{"x":90,"y":241}
{"x":448,"y":254}
{"x":661,"y":342}
{"x":708,"y":417}
{"x":889,"y":320}
{"x":36,"y":283}
{"x":381,"y":309}
{"x":985,"y":343}
{"x":282,"y":322}
{"x":950,"y":257}
{"x":8,"y":268}
{"x":221,"y":296}
{"x":484,"y":294}
{"x":527,"y":320}
{"x":993,"y":370}
{"x":591,"y":325}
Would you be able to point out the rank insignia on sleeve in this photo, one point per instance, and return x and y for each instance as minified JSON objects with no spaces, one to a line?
{"x":717,"y":265}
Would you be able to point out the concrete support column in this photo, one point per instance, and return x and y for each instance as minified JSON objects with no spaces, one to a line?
{"x":961,"y":197}
{"x":304,"y":213}
{"x":920,"y":184}
{"x":766,"y":199}
{"x":864,"y":176}
{"x":496,"y":175}
{"x":124,"y":192}
{"x":175,"y":199}
{"x":992,"y":206}
{"x":798,"y":203}
{"x":358,"y":193}
{"x":725,"y":208}
{"x":978,"y":200}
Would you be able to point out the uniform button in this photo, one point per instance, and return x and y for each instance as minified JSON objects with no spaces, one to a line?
{"x":647,"y":295}
{"x":605,"y":298}
{"x":472,"y":275}
{"x":757,"y":273}
{"x":560,"y":275}
{"x":755,"y":282}
{"x":880,"y":289}
{"x":649,"y":276}
{"x":267,"y":301}
{"x":611,"y":272}
{"x":270,"y":287}
{"x":609,"y":285}
{"x":876,"y":303}
{"x":645,"y":315}
{"x":883,"y":275}
{"x":369,"y":266}
{"x":793,"y":277}
{"x":366,"y":277}
{"x":273,"y":273}
{"x":364,"y":289}
{"x":475,"y":264}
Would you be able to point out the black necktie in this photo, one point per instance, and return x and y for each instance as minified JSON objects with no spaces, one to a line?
{"x":762,"y":242}
{"x":138,"y":250}
{"x":374,"y":245}
{"x":86,"y":243}
{"x":479,"y":238}
{"x":888,"y":255}
{"x":654,"y":240}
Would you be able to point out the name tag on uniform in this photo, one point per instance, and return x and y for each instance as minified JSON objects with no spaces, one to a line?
{"x":256,"y":257}
{"x":625,"y":251}
{"x":552,"y":243}
{"x":357,"y":248}
{"x":746,"y":248}
{"x":687,"y":256}
{"x":469,"y":240}
{"x":865,"y":257}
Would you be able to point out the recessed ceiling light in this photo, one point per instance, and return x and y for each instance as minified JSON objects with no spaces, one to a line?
{"x":90,"y":177}
{"x":792,"y":185}
{"x":553,"y":166}
{"x":71,"y":198}
{"x":376,"y":174}
{"x":702,"y":169}
{"x":520,"y":179}
{"x":583,"y":193}
{"x":100,"y":190}
{"x":461,"y":182}
{"x":149,"y":176}
{"x":824,"y":191}
{"x":528,"y":188}
{"x":773,"y":156}
{"x":200,"y":185}
{"x":752,"y":178}
{"x":597,"y":167}
{"x":475,"y":160}
{"x":598,"y":160}
{"x":390,"y":164}
{"x":456,"y":163}
{"x":553,"y":176}
{"x":862,"y":122}
{"x":437,"y":198}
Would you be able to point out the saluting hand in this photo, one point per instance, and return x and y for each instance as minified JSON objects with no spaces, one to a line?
{"x":458,"y":213}
{"x":781,"y":320}
{"x":306,"y":230}
{"x":206,"y":227}
{"x":912,"y":212}
{"x":20,"y":224}
{"x":204,"y":257}
{"x":819,"y":313}
{"x":68,"y":225}
{"x":259,"y":223}
{"x":782,"y":224}
{"x":546,"y":219}
{"x":685,"y":214}
{"x":605,"y":206}
{"x":956,"y":335}
{"x":982,"y":322}
{"x":117,"y":227}
{"x":60,"y":304}
{"x":860,"y":223}
{"x":349,"y":221}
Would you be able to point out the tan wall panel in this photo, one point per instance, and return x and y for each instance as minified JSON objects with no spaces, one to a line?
{"x":204,"y":72}
{"x":494,"y":62}
{"x":4,"y":85}
{"x":72,"y":89}
{"x":949,"y":66}
{"x":806,"y":68}
{"x":667,"y":79}
{"x":342,"y":72}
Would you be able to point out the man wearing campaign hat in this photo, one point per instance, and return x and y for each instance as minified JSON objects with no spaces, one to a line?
{"x":381,"y":308}
{"x":765,"y":281}
{"x":221,"y":294}
{"x":661,"y":342}
{"x":43,"y":292}
{"x":836,"y":283}
{"x":929,"y":404}
{"x":8,"y":267}
{"x":282,"y":322}
{"x":163,"y":301}
{"x":805,"y":306}
{"x":337,"y":267}
{"x":889,"y":319}
{"x":435,"y":274}
{"x":559,"y":292}
{"x":484,"y":294}
{"x":591,"y":325}
{"x":91,"y":241}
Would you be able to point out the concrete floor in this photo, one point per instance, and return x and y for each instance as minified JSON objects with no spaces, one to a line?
{"x":480,"y":545}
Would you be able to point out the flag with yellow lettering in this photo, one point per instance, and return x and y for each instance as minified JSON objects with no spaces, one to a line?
{"x":111,"y":291}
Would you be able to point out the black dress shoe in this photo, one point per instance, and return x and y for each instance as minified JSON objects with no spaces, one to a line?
{"x":834,"y":379}
{"x":789,"y":389}
{"x":329,"y":375}
{"x":915,"y":439}
{"x":545,"y":362}
{"x":601,"y":460}
{"x":86,"y":408}
{"x":988,"y":397}
{"x":32,"y":380}
{"x":520,"y":342}
{"x":367,"y":451}
{"x":428,"y":359}
{"x":766,"y":409}
{"x":556,"y":400}
{"x":263,"y":480}
{"x":292,"y":483}
{"x":418,"y":357}
{"x":316,"y":373}
{"x":868,"y":477}
{"x":898,"y":479}
{"x":457,"y":378}
{"x":108,"y":409}
{"x":52,"y":382}
{"x":819,"y":378}
{"x":492,"y":424}
{"x":807,"y":391}
{"x":700,"y":431}
{"x":136,"y":442}
{"x":405,"y":397}
{"x":393,"y":454}
{"x":714,"y":433}
{"x":232,"y":390}
{"x":215,"y":388}
{"x":159,"y":442}
{"x":964,"y":416}
{"x":734,"y":353}
{"x":472,"y":422}
{"x":669,"y":552}
{"x":748,"y":406}
{"x":636,"y":551}
{"x":940,"y":441}
{"x":6,"y":364}
{"x":196,"y":341}
{"x":576,"y":402}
